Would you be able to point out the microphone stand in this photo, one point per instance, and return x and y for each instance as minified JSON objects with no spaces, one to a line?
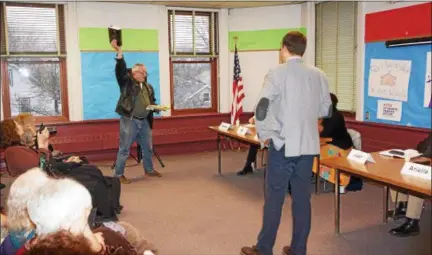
{"x":158,"y":158}
{"x":138,"y":158}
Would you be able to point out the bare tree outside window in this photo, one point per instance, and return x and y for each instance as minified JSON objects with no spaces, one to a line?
{"x":193,"y":39}
{"x":191,"y":81}
{"x":32,"y":33}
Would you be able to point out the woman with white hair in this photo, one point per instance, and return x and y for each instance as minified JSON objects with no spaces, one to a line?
{"x":65,"y":205}
{"x":19,"y":225}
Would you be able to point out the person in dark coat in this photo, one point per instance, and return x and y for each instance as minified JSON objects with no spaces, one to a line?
{"x":136,"y":95}
{"x":335,"y":128}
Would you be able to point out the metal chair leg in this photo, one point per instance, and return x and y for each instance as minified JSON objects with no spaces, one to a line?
{"x":325,"y":186}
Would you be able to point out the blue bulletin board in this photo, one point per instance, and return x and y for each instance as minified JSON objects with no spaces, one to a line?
{"x":415,"y":111}
{"x":99,"y":85}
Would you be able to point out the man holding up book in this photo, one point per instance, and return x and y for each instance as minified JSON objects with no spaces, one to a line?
{"x":136,"y":95}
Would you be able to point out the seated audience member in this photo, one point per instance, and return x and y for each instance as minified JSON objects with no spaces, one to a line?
{"x":28,"y":122}
{"x":64,"y":204}
{"x":20,"y":227}
{"x":409,"y":206}
{"x":251,"y":157}
{"x":61,"y":242}
{"x":65,"y":243}
{"x":340,"y":144}
{"x":30,"y":193}
{"x":19,"y":158}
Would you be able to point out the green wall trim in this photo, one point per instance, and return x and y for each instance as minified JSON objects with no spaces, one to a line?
{"x":260,"y":40}
{"x":96,"y":39}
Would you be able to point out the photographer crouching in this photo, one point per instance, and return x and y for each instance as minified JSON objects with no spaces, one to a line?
{"x":135,"y":121}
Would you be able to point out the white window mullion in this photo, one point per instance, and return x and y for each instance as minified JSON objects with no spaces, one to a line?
{"x":193,"y":33}
{"x":173,"y":19}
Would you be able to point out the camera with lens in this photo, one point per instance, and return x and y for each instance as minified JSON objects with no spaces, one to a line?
{"x":51,"y":130}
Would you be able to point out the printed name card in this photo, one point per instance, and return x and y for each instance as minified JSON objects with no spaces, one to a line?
{"x":224,"y":126}
{"x":360,"y":157}
{"x":417,"y":170}
{"x":242,"y":130}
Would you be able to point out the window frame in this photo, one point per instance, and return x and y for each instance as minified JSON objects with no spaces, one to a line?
{"x":60,"y":55}
{"x":213,"y":56}
{"x":213,"y":87}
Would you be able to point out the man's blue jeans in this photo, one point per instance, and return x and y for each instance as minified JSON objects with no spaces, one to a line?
{"x":282,"y":171}
{"x":132,"y":130}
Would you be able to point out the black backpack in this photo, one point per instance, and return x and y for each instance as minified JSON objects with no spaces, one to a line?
{"x":425,"y":147}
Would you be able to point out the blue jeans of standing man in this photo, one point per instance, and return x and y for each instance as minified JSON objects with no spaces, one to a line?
{"x":132,"y":130}
{"x":281,"y":172}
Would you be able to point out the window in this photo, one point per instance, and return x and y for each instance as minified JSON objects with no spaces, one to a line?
{"x":34,"y":55}
{"x":193,"y":57}
{"x":336,"y":49}
{"x":24,"y":104}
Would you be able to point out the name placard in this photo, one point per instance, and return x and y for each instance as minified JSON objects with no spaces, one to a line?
{"x":242,"y":130}
{"x":417,"y":170}
{"x":224,"y":126}
{"x":360,"y":157}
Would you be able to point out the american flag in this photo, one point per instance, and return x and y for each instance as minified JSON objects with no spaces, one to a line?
{"x":238,"y":94}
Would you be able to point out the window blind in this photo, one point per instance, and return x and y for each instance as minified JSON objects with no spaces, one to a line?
{"x":336,"y":49}
{"x":192,"y":33}
{"x":35,"y":28}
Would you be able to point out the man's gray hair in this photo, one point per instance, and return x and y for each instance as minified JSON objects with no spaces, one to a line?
{"x":137,"y":66}
{"x":22,"y":190}
{"x":62,"y":204}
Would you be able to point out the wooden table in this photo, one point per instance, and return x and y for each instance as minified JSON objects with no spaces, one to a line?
{"x":386,"y":171}
{"x":232,"y":133}
{"x":248,"y":139}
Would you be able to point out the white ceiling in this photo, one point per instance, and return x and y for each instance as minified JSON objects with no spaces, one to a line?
{"x":216,"y":4}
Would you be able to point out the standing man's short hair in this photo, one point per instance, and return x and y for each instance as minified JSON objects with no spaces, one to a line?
{"x":295,"y":42}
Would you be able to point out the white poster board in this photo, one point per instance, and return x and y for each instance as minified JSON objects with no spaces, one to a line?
{"x":389,"y":110}
{"x":389,"y":79}
{"x":428,"y":82}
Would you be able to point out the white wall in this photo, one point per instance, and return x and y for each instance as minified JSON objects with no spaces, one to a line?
{"x":255,"y":65}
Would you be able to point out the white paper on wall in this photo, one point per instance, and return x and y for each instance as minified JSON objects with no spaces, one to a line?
{"x":428,"y":82}
{"x":389,"y":79}
{"x":389,"y":110}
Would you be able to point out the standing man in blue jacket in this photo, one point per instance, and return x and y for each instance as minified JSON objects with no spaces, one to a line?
{"x":292,"y":100}
{"x":135,"y":121}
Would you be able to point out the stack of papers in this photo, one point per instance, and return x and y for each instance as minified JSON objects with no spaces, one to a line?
{"x":405,"y":154}
{"x":158,"y":107}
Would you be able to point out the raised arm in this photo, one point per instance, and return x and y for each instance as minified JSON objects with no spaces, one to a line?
{"x":120,"y":68}
{"x":325,"y":107}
